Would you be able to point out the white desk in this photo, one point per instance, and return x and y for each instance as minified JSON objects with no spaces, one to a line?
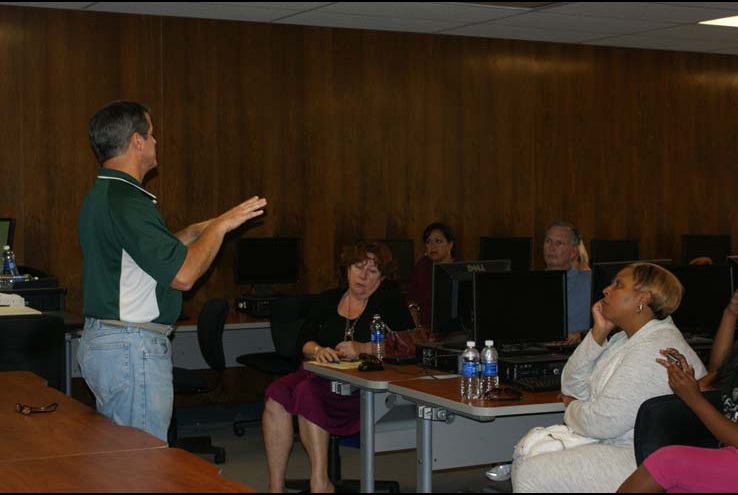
{"x":383,"y":414}
{"x":482,"y":433}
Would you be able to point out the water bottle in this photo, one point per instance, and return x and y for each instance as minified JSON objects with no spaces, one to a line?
{"x":377,"y":335}
{"x":490,"y":375}
{"x":470,"y":372}
{"x":9,"y":265}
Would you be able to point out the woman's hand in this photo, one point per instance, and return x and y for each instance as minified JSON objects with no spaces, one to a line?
{"x":681,"y":375}
{"x":349,"y":350}
{"x":602,"y":326}
{"x":326,"y":355}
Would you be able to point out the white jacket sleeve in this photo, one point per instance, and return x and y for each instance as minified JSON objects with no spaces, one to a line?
{"x":622,"y":380}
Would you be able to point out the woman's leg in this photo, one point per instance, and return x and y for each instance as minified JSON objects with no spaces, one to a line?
{"x":640,"y":481}
{"x":278,"y":437}
{"x":315,"y":441}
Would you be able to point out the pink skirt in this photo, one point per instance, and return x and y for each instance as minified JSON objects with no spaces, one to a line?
{"x":305,"y":394}
{"x":682,"y":469}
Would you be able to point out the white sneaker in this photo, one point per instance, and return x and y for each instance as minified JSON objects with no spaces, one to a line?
{"x":500,"y":472}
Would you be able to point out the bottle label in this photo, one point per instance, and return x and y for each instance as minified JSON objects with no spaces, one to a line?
{"x":377,"y":337}
{"x":468,"y":369}
{"x":489,"y":369}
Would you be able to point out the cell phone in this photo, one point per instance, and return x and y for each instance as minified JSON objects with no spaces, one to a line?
{"x":673,"y":359}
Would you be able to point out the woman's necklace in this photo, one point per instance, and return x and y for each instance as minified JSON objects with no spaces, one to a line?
{"x":348,"y":333}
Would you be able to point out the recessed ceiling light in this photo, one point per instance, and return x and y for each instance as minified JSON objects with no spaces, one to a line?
{"x":725,"y":21}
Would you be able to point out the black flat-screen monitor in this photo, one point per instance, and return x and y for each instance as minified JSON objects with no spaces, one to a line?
{"x":604,"y":273}
{"x":520,"y":307}
{"x":707,"y":291}
{"x":601,"y":250}
{"x":519,"y":250}
{"x":7,"y":230}
{"x":716,"y":247}
{"x":733,"y":261}
{"x":403,"y":252}
{"x":453,"y":295}
{"x":264,"y":261}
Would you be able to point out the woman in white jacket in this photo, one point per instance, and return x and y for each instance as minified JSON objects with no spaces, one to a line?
{"x":605,"y":381}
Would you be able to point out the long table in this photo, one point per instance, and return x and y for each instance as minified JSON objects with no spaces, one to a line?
{"x":75,"y":449}
{"x":491,"y":429}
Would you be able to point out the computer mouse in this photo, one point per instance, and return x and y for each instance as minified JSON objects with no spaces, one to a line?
{"x":370,"y":366}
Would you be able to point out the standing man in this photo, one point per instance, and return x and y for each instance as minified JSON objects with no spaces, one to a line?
{"x":561,"y":252}
{"x":134,"y":272}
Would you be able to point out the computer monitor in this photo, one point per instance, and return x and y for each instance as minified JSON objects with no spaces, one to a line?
{"x":733,"y":261}
{"x":601,"y":250}
{"x":7,"y":230}
{"x":403,"y":252}
{"x":715,"y":247}
{"x":520,"y":307}
{"x":707,"y":291}
{"x":604,"y":273}
{"x":264,"y":261}
{"x":519,"y":250}
{"x":453,"y":295}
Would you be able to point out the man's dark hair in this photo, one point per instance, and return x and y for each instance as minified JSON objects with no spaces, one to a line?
{"x":113,"y":125}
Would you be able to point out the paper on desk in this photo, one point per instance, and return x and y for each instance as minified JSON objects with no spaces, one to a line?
{"x":18,"y":310}
{"x":343,"y":365}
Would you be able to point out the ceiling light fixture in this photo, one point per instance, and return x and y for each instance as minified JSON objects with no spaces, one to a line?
{"x":725,"y":21}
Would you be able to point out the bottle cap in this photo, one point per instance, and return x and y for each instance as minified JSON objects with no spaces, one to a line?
{"x":470,"y":343}
{"x":489,"y":343}
{"x":6,"y":248}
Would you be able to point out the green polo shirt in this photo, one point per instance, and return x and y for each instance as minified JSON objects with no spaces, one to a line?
{"x":129,"y":256}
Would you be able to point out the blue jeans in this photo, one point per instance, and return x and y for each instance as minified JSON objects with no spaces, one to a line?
{"x":129,"y":369}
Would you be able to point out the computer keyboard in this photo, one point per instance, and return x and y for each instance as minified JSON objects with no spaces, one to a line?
{"x":541,"y":383}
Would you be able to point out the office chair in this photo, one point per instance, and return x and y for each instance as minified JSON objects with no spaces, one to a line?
{"x":287,"y":315}
{"x":210,"y":325}
{"x":34,"y":343}
{"x":667,"y":420}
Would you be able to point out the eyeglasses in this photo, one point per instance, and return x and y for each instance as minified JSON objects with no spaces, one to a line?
{"x":430,"y":242}
{"x":505,"y":393}
{"x":28,"y":410}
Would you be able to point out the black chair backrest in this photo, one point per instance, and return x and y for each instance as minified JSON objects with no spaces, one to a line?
{"x":288,"y":315}
{"x":33,"y":343}
{"x":667,"y":420}
{"x":210,"y":325}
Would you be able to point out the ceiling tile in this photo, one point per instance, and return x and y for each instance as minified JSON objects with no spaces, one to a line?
{"x":494,"y":30}
{"x":457,"y":12}
{"x":640,"y":11}
{"x":319,"y":18}
{"x":546,"y":20}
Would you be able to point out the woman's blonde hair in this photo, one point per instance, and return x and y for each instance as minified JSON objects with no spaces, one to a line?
{"x":582,"y":257}
{"x":665,"y":289}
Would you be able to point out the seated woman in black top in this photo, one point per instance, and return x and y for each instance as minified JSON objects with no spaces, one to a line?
{"x":337,"y":327}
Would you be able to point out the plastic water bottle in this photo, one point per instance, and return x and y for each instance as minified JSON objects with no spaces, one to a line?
{"x":470,"y":372}
{"x":377,"y":334}
{"x":490,"y":375}
{"x":9,"y":265}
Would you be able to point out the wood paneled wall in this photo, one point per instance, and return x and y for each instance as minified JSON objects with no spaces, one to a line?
{"x":353,"y":133}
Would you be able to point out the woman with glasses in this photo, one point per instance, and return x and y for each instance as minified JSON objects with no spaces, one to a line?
{"x":336,"y":328}
{"x":439,"y":248}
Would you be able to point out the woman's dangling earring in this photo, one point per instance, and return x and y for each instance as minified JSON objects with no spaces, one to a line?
{"x":640,"y":307}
